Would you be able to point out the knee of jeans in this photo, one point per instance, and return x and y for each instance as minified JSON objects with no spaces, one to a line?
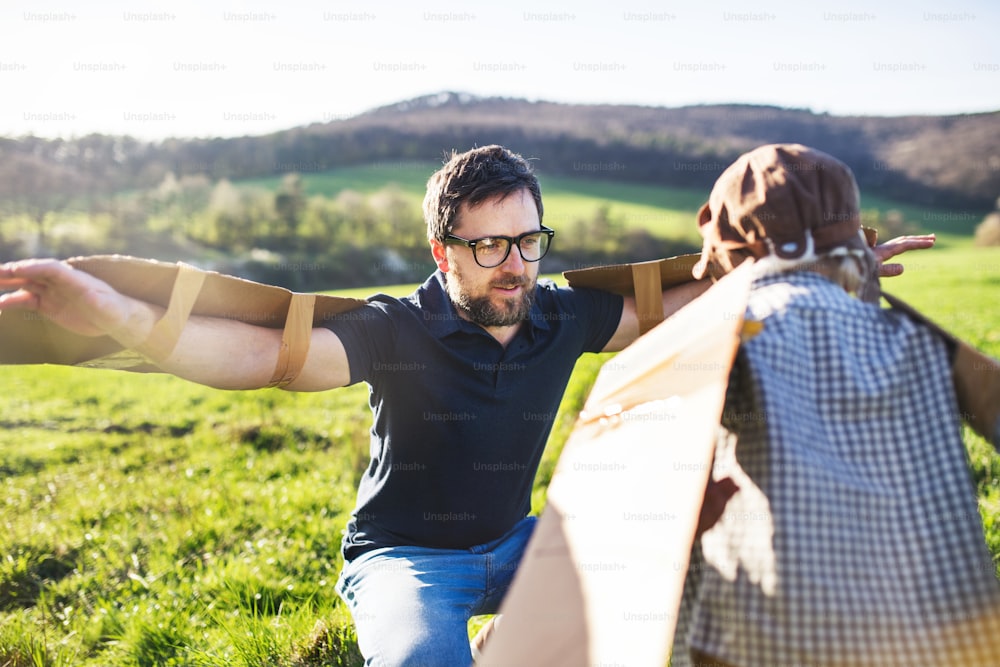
{"x":440,"y":647}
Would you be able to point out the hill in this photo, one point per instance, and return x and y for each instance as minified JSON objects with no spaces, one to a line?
{"x":942,"y":161}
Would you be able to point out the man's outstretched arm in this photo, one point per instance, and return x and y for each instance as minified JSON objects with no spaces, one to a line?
{"x":217,"y":352}
{"x":674,"y":299}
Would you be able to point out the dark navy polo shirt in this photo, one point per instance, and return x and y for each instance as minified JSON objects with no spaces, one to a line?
{"x":459,"y":421}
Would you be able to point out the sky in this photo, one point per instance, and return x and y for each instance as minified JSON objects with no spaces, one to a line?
{"x":155,"y":69}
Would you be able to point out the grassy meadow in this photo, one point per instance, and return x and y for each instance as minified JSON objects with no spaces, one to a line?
{"x":148,"y":521}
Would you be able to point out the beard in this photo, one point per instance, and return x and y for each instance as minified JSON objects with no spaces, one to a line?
{"x":484,"y":312}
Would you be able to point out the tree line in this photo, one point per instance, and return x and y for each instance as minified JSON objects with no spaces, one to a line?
{"x":283,"y":236}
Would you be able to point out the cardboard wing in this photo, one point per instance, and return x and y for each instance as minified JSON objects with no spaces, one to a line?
{"x":643,"y":280}
{"x":976,"y":376}
{"x":602,"y":577}
{"x":28,"y":338}
{"x":619,"y":278}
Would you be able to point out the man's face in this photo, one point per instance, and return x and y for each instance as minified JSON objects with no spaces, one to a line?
{"x":500,"y":296}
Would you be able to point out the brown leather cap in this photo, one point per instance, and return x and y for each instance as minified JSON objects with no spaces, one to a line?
{"x":774,"y":200}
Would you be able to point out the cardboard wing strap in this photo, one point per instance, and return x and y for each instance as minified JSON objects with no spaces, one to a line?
{"x":165,"y":334}
{"x":183,"y":290}
{"x":648,"y":295}
{"x":295,"y":340}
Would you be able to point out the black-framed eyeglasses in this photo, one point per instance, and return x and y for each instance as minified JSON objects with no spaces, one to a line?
{"x":492,"y":251}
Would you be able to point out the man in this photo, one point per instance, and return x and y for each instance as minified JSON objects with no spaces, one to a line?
{"x":853,"y":537}
{"x":466,"y":376}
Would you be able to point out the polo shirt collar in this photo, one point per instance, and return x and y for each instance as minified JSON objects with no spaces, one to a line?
{"x":442,"y":317}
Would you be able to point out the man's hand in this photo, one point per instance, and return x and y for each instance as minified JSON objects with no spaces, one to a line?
{"x":897,"y":246}
{"x":73,"y":299}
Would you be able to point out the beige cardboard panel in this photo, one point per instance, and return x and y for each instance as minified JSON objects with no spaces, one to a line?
{"x":617,"y":278}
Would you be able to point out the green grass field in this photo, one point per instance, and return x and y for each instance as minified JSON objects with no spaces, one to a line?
{"x":151,"y":521}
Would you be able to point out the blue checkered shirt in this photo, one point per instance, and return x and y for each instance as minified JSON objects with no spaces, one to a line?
{"x":855,"y":538}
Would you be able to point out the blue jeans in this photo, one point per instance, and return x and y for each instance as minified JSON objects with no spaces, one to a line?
{"x":412,"y":605}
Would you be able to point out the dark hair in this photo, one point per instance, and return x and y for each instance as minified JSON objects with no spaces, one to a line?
{"x":472,"y":178}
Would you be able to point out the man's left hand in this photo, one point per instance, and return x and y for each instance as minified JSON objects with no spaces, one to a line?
{"x":897,"y":246}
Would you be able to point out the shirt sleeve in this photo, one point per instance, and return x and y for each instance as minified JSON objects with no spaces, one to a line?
{"x":598,"y":312}
{"x":367,"y":334}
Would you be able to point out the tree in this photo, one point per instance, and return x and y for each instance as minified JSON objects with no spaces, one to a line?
{"x":34,"y":187}
{"x":397,"y":222}
{"x":231,"y":224}
{"x":289,"y":205}
{"x":988,"y":231}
